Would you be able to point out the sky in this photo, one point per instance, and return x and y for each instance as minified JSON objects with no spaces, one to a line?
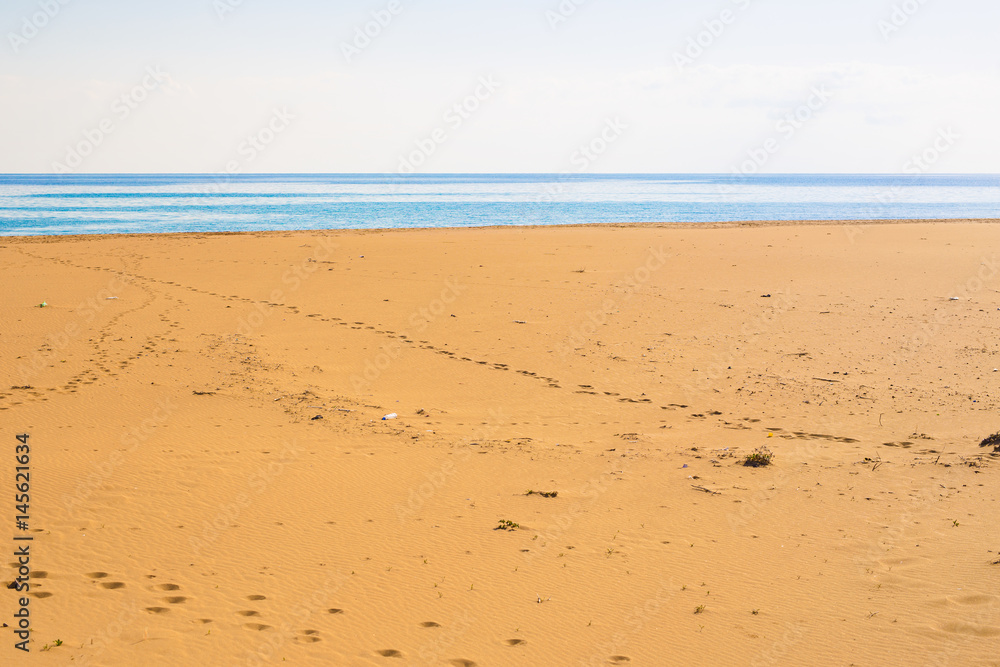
{"x":437,"y":86}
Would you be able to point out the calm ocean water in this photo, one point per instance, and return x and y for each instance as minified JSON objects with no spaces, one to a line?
{"x":140,"y":203}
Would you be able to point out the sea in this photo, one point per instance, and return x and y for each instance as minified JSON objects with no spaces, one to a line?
{"x":47,"y":204}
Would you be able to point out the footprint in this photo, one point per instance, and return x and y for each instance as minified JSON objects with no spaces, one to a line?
{"x":248,"y":613}
{"x":167,"y":587}
{"x":430,"y":624}
{"x":514,"y":642}
{"x":255,"y":598}
{"x":96,"y":575}
{"x":335,"y":611}
{"x":259,"y":627}
{"x":975,"y":599}
{"x":157,"y":610}
{"x":113,"y":584}
{"x":969,"y":629}
{"x":462,"y":662}
{"x":39,"y":574}
{"x":176,"y":599}
{"x":42,"y":594}
{"x":619,"y":659}
{"x":390,"y":653}
{"x":308,"y":639}
{"x":204,"y":621}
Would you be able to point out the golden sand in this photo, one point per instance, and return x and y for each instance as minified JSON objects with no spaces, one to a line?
{"x":213,"y":483}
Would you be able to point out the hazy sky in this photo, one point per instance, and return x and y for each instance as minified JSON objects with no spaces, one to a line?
{"x":183,"y":86}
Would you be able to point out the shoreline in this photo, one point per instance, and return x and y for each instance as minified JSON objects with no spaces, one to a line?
{"x":746,"y":224}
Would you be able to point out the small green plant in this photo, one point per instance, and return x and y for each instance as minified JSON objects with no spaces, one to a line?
{"x":48,"y":647}
{"x":506,"y":524}
{"x":699,"y":609}
{"x":954,"y":523}
{"x":758,"y":458}
{"x":543,"y":494}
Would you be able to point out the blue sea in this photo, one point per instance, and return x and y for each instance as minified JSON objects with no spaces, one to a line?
{"x":42,"y":204}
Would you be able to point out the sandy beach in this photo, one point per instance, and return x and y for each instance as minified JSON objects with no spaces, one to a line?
{"x":212,"y":480}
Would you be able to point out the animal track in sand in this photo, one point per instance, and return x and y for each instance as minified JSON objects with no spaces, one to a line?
{"x":390,"y":653}
{"x":552,"y":383}
{"x":255,"y":598}
{"x":156,"y":297}
{"x":248,"y":612}
{"x":619,"y":659}
{"x":430,"y":624}
{"x":514,"y":642}
{"x":176,"y":599}
{"x":335,"y":611}
{"x":96,"y":575}
{"x":42,"y":594}
{"x":39,"y":574}
{"x":167,"y":587}
{"x":462,"y":662}
{"x":259,"y":627}
{"x":157,"y":610}
{"x":113,"y":584}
